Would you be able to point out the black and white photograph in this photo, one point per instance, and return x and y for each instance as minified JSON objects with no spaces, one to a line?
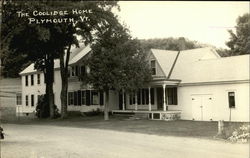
{"x":124,"y":79}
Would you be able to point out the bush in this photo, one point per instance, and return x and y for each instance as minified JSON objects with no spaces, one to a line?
{"x":240,"y":134}
{"x":93,"y":112}
{"x":42,"y":108}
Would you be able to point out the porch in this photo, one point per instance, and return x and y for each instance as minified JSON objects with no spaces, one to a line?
{"x":153,"y":114}
{"x":158,"y":101}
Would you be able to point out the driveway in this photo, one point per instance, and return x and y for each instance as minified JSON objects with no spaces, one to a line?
{"x":43,"y":141}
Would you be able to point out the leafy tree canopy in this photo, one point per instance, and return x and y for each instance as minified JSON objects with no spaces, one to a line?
{"x":239,"y":42}
{"x":117,"y":62}
{"x":171,"y":43}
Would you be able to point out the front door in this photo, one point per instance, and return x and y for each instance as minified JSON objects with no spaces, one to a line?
{"x":202,"y":107}
{"x":159,"y":92}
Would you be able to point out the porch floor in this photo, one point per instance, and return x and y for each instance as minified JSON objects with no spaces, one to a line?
{"x":146,"y":111}
{"x":153,"y":114}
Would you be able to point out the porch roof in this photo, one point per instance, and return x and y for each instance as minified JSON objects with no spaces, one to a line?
{"x":160,"y":82}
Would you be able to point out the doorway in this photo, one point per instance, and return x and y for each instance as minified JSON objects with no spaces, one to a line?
{"x":159,"y":92}
{"x":202,"y":107}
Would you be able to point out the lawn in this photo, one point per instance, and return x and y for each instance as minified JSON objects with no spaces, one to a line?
{"x":121,"y":123}
{"x":180,"y":128}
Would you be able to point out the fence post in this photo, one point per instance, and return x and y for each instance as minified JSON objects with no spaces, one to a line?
{"x":220,"y":127}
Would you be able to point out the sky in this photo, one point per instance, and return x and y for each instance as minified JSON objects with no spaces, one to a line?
{"x":205,"y":22}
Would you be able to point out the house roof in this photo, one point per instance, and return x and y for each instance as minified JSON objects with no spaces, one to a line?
{"x":202,"y":65}
{"x":80,"y":53}
{"x":213,"y":70}
{"x":165,"y":59}
{"x":76,"y":55}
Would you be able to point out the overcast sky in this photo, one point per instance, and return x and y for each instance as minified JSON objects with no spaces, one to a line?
{"x":206,"y":22}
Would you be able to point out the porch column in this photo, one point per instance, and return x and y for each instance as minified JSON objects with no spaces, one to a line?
{"x":149,"y":99}
{"x":164,"y":98}
{"x":123,"y":100}
{"x":136,"y":102}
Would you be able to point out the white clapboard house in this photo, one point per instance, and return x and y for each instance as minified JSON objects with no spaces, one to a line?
{"x":194,"y":84}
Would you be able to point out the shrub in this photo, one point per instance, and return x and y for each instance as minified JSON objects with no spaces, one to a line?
{"x":94,"y":112}
{"x":42,"y":108}
{"x":240,"y":134}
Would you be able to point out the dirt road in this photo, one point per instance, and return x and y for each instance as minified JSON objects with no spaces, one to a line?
{"x":31,"y":141}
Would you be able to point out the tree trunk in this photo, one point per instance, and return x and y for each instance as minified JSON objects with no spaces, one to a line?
{"x":64,"y":90}
{"x":64,"y":78}
{"x":49,"y":79}
{"x":64,"y":98}
{"x":106,"y":106}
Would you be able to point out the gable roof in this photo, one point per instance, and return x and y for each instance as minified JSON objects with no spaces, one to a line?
{"x":202,"y":65}
{"x":233,"y":68}
{"x":169,"y":60}
{"x":76,"y":55}
{"x":165,"y":59}
{"x":79,"y":55}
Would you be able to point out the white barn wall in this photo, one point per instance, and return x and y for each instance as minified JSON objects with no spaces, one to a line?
{"x":220,"y":109}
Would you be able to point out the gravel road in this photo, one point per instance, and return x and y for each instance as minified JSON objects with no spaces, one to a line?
{"x":33,"y":141}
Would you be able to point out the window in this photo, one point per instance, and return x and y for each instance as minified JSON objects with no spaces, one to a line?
{"x":153,"y":67}
{"x":73,"y":71}
{"x":231,"y":99}
{"x":27,"y":100}
{"x":26,"y":80}
{"x":32,"y":100}
{"x":76,"y":70}
{"x":172,"y":96}
{"x":18,"y":99}
{"x":83,"y":70}
{"x":132,"y":99}
{"x":70,"y":98}
{"x":38,"y":79}
{"x":94,"y":98}
{"x":83,"y":98}
{"x":143,"y":96}
{"x":32,"y":79}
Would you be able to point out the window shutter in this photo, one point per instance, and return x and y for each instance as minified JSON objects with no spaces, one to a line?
{"x":139,"y":96}
{"x":79,"y":98}
{"x":75,"y":98}
{"x":101,"y":98}
{"x":87,"y":97}
{"x":152,"y":95}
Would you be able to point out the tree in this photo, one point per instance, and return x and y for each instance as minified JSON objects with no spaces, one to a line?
{"x":101,"y":18}
{"x":56,"y":40}
{"x":33,"y":42}
{"x":117,"y":63}
{"x":170,"y":43}
{"x":239,"y":42}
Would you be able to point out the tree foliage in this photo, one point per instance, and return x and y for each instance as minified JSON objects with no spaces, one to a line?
{"x":33,"y":42}
{"x":117,"y":63}
{"x":180,"y":43}
{"x":239,"y":42}
{"x":42,"y":43}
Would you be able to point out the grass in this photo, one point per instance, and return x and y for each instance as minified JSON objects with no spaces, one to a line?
{"x":182,"y":128}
